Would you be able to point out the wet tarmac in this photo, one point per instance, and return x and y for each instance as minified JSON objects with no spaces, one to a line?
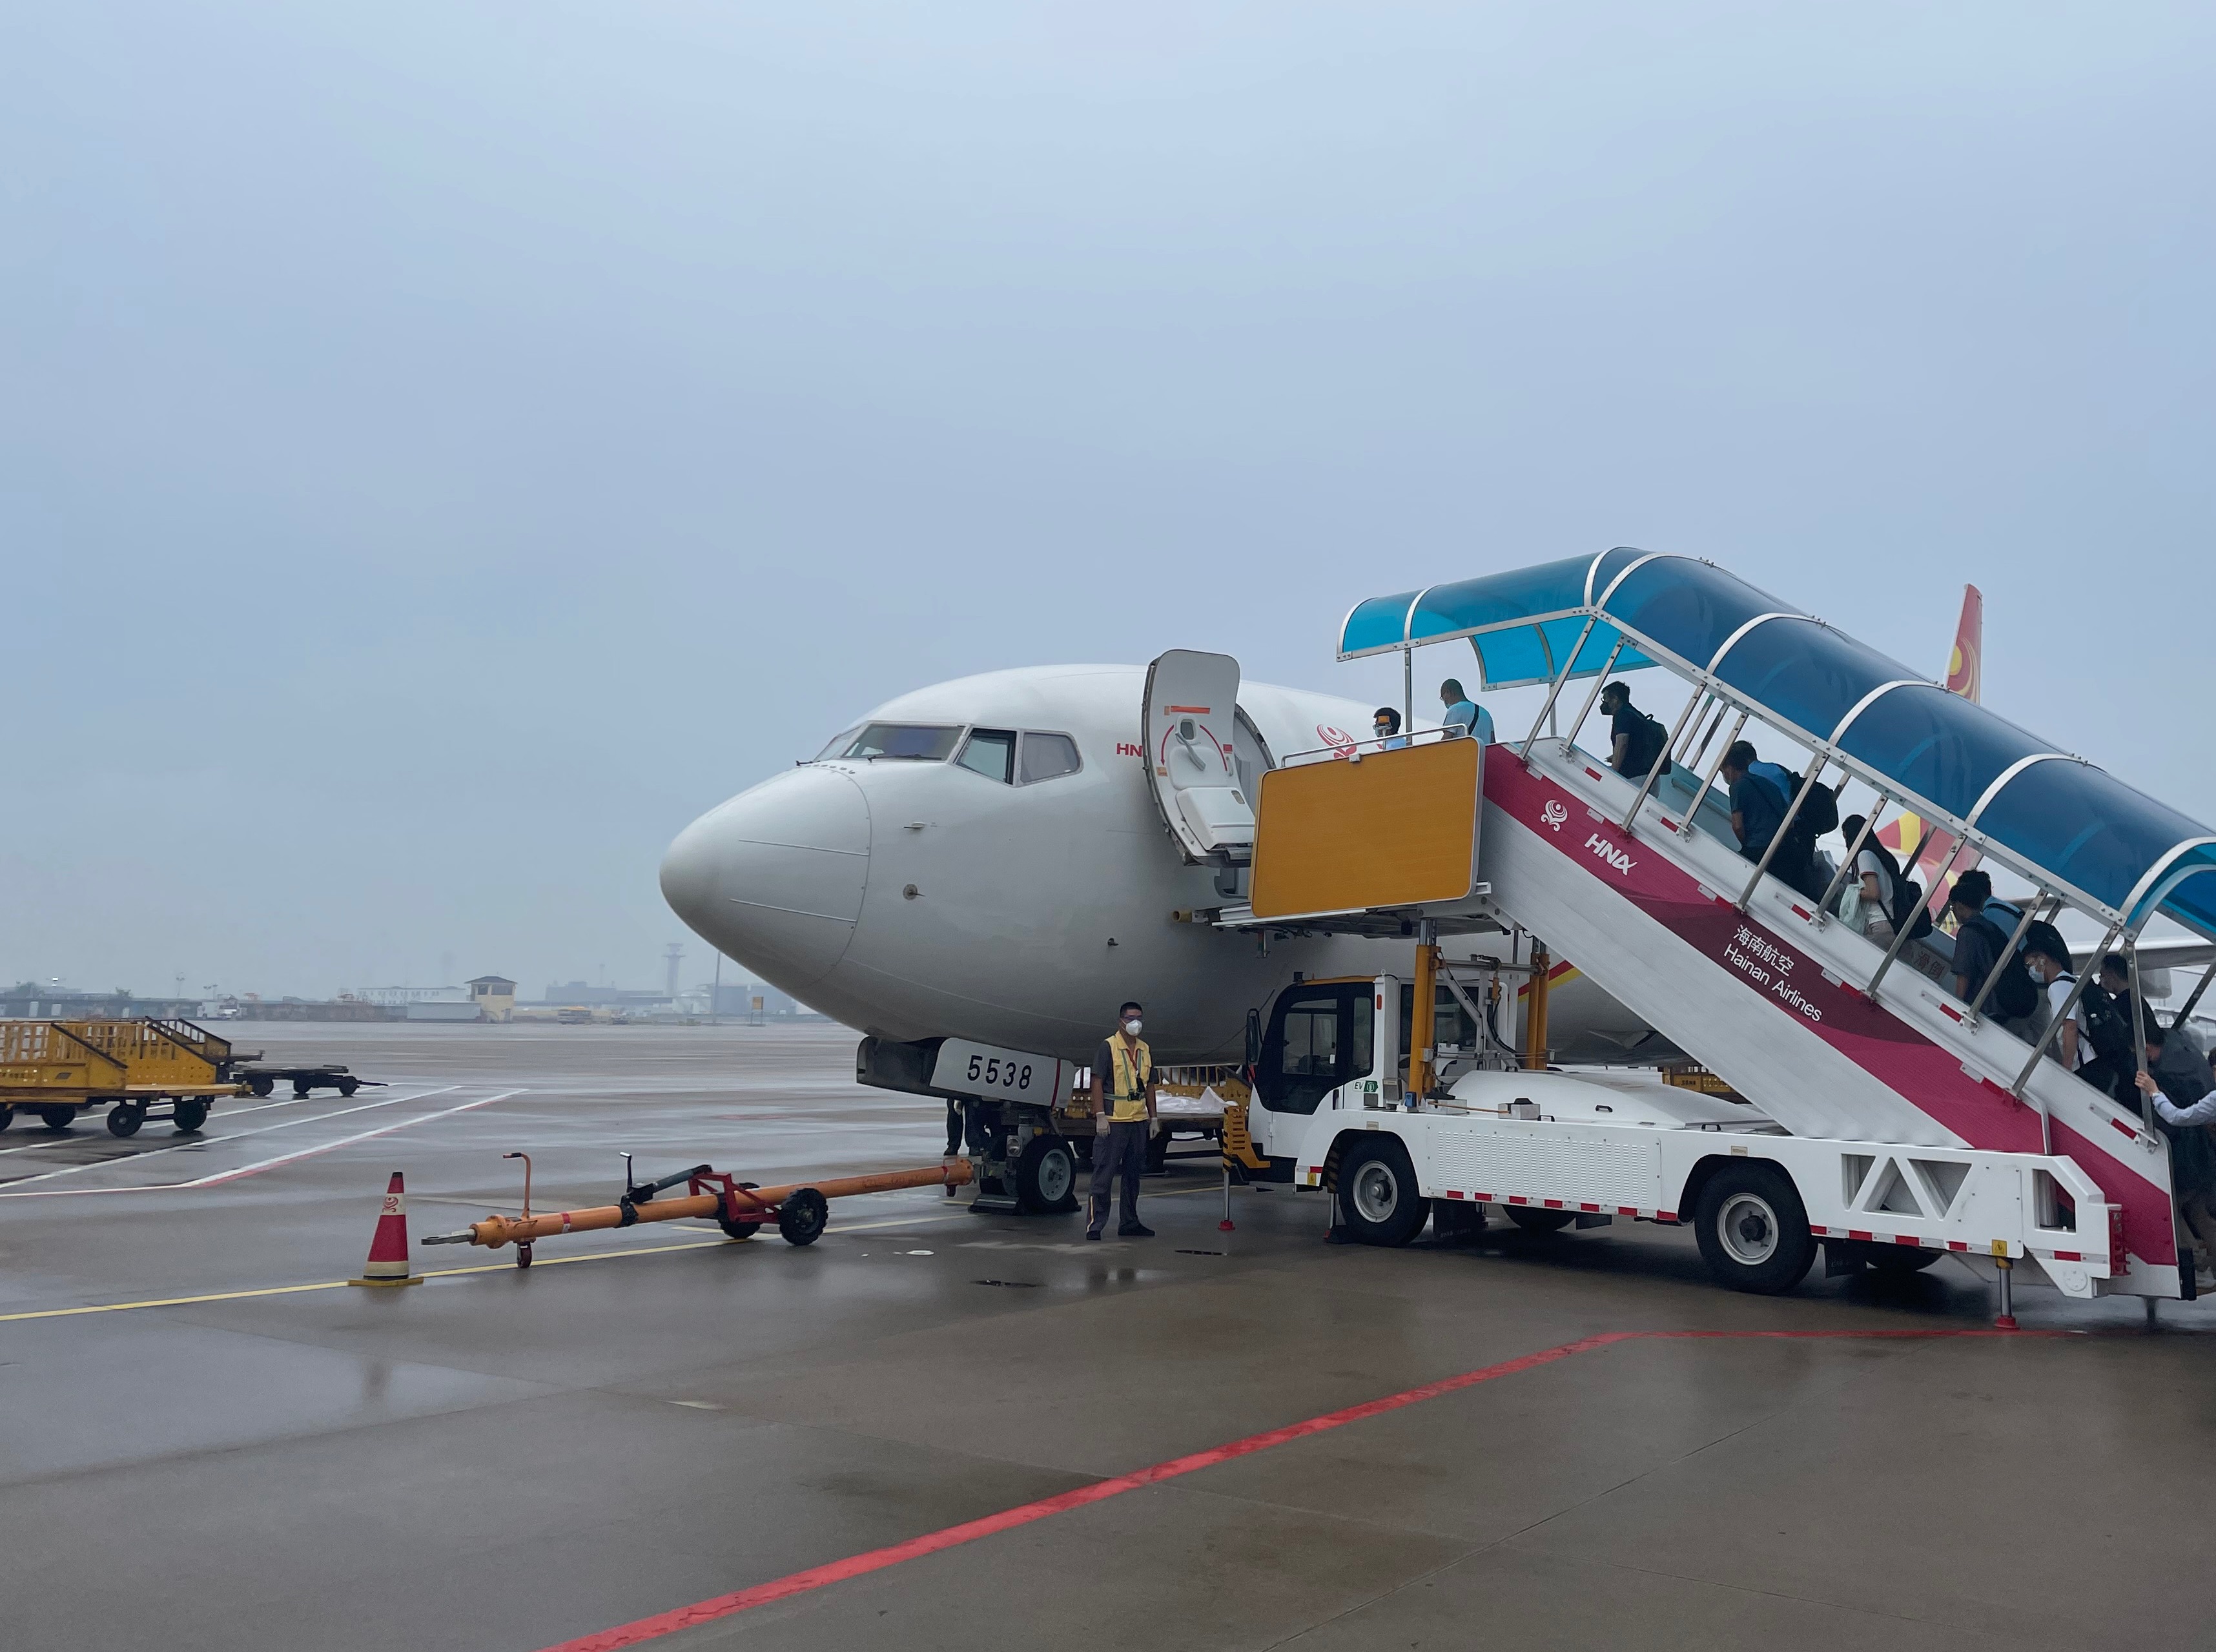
{"x":656,"y":1418}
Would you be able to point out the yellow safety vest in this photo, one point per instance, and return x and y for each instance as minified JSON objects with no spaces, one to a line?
{"x":1127,"y":1091}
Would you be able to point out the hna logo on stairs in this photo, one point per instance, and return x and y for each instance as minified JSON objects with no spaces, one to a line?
{"x":1607,"y":851}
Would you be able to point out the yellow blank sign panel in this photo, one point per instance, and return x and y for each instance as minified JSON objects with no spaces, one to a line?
{"x":1396,"y":829}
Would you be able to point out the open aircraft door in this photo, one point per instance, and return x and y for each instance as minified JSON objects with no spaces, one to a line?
{"x":1190,"y":725}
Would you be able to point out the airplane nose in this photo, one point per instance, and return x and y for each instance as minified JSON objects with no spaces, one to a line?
{"x":774,"y":877}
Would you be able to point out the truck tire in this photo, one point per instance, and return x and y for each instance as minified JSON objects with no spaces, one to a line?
{"x":58,"y":1118}
{"x":1377,"y":1197}
{"x":1046,"y":1177}
{"x":1537,"y":1218}
{"x":1753,"y":1229}
{"x":802,"y":1219}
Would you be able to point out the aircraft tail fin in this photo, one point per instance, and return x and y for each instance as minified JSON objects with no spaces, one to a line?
{"x":1914,"y":842}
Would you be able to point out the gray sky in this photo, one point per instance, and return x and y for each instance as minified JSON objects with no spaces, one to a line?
{"x":445,"y":447}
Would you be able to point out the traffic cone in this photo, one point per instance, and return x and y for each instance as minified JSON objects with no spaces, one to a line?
{"x":388,"y":1248}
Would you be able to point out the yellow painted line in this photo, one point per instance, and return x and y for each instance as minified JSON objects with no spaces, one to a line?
{"x":484,"y":1267}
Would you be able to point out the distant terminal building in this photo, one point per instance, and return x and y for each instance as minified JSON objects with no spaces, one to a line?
{"x":30,"y":1001}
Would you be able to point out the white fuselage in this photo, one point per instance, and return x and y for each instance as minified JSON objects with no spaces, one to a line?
{"x":919,"y":899}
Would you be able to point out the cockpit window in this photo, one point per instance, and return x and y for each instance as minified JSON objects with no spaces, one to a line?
{"x":837,"y":744}
{"x":991,"y":752}
{"x":922,"y":742}
{"x":1048,"y":757}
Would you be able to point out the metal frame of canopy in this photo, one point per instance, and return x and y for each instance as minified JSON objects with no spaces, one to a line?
{"x":1531,"y":600}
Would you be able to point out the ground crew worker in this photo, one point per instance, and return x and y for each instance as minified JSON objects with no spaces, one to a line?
{"x":1122,"y":1077}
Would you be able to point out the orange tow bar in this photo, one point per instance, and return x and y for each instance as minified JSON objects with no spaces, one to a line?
{"x":801,"y":1210}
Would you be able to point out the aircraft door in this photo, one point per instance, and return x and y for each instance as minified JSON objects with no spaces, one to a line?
{"x":1190,"y":726}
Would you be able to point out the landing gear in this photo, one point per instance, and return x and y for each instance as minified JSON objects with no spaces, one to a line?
{"x":1377,"y":1196}
{"x":1536,"y":1218}
{"x":59,"y":1118}
{"x":802,"y":1219}
{"x":1046,"y":1177}
{"x":1753,"y":1229}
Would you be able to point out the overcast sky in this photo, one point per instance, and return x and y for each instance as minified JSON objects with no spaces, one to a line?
{"x":445,"y":447}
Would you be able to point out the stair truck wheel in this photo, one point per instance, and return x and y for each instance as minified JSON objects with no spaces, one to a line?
{"x":1753,"y":1229}
{"x":58,"y":1118}
{"x":7,"y":1115}
{"x":1046,"y":1177}
{"x":803,"y":1218}
{"x":1537,"y":1218}
{"x":125,"y":1120}
{"x":1377,"y":1197}
{"x":190,"y":1116}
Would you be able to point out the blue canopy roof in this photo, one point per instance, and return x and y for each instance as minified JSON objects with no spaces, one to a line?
{"x":2077,"y":828}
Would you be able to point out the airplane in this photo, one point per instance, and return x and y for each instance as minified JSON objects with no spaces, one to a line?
{"x":985,"y":868}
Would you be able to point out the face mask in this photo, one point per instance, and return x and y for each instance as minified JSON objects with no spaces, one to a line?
{"x":1132,"y":1026}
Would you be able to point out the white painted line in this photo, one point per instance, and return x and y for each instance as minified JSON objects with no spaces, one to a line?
{"x":69,"y":1138}
{"x":221,"y":1176}
{"x":217,"y":1141}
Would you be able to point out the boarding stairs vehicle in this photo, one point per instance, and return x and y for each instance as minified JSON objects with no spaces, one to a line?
{"x":1873,"y":1112}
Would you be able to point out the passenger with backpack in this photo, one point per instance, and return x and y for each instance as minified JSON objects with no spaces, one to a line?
{"x":1636,"y":742}
{"x":2105,"y":1014}
{"x":1761,"y":797}
{"x":1979,"y":944}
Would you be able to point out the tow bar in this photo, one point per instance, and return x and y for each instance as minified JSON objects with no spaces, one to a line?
{"x":801,"y":1210}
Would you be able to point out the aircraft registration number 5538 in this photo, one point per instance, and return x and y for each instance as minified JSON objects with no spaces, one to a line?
{"x":970,"y":1069}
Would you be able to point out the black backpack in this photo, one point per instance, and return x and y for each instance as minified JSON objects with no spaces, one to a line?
{"x":2107,"y":1030}
{"x":1819,"y":812}
{"x":2014,"y":995}
{"x":1651,"y":740}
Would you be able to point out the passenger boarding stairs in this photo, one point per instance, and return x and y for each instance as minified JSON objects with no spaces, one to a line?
{"x":1773,"y":996}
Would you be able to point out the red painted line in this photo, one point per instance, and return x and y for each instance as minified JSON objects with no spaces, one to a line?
{"x":720,"y":1606}
{"x":875,"y":1560}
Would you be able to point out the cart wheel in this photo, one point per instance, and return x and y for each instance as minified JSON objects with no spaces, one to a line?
{"x":7,"y":1117}
{"x":348,"y":1086}
{"x":803,"y":1218}
{"x":125,"y":1120}
{"x":523,"y":1254}
{"x":262,"y":1086}
{"x":190,"y":1116}
{"x":737,"y":1229}
{"x":58,"y":1118}
{"x":300,"y":1090}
